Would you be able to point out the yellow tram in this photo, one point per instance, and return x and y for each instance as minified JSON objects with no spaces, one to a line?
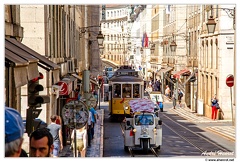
{"x":126,"y":84}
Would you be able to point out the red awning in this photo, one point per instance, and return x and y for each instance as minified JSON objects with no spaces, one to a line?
{"x":181,"y":72}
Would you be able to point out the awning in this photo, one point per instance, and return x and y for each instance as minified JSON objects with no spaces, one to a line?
{"x":24,"y":65}
{"x":181,"y":72}
{"x":193,"y":73}
{"x":77,"y":76}
{"x":164,"y":70}
{"x":15,"y":50}
{"x":43,"y":61}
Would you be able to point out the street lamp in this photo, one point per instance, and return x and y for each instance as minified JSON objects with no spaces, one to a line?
{"x":211,"y":24}
{"x":141,"y":50}
{"x":173,"y":46}
{"x":134,"y":51}
{"x":100,"y":38}
{"x":152,"y":48}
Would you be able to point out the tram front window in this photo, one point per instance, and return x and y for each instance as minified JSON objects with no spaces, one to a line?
{"x":127,"y":89}
{"x":117,"y":90}
{"x":136,"y":90}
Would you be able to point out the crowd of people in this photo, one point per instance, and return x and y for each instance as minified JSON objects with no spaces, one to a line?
{"x":47,"y":141}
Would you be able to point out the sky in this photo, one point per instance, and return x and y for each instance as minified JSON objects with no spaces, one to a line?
{"x":109,"y":2}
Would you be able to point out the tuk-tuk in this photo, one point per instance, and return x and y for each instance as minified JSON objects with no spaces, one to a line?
{"x":144,"y":129}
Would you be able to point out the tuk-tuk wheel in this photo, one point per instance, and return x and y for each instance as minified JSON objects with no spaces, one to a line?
{"x":126,"y":148}
{"x":158,"y":148}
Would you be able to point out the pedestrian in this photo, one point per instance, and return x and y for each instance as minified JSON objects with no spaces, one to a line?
{"x":14,"y":130}
{"x":56,"y":131}
{"x":41,"y":143}
{"x":174,"y":99}
{"x":94,"y":118}
{"x":23,"y":153}
{"x":95,"y":94}
{"x":180,"y":95}
{"x":167,"y":92}
{"x":215,"y":107}
{"x":89,"y":128}
{"x":59,"y":120}
{"x":81,"y":141}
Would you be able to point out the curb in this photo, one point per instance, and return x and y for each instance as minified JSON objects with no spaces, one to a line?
{"x":101,"y":133}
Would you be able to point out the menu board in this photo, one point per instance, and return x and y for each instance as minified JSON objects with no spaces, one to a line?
{"x":75,"y":114}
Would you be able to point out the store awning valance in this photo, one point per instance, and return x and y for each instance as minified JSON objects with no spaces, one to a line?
{"x":164,"y":70}
{"x":43,"y":61}
{"x":24,"y":66}
{"x":77,"y":76}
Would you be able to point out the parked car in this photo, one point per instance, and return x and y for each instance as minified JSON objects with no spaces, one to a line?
{"x":38,"y":123}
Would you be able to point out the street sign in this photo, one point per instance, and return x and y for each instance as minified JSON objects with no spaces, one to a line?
{"x":230,"y":80}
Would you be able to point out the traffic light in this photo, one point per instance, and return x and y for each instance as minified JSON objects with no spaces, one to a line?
{"x":34,"y":99}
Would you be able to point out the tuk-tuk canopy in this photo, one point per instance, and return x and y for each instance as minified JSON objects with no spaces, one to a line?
{"x":142,"y":105}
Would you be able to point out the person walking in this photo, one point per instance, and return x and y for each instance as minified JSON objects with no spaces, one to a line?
{"x":167,"y":92}
{"x":41,"y":143}
{"x":56,"y":131}
{"x":14,"y":130}
{"x":180,"y":95}
{"x":81,"y":141}
{"x":94,"y":118}
{"x":215,"y":107}
{"x":89,"y":128}
{"x":174,"y":99}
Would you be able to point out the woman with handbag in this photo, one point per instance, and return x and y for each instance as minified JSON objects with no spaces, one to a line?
{"x":215,"y":107}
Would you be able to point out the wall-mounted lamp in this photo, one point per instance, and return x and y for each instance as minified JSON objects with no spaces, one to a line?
{"x":173,"y":46}
{"x":211,"y":24}
{"x":152,"y":48}
{"x":134,"y":51}
{"x":100,"y":37}
{"x":141,"y":50}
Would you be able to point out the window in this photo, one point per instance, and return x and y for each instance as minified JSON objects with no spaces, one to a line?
{"x":117,"y":90}
{"x":144,"y":120}
{"x":136,"y":90}
{"x":127,"y":90}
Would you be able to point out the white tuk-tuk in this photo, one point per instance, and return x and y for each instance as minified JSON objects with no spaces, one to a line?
{"x":144,"y":129}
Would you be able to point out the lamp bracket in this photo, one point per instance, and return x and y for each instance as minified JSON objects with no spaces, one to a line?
{"x":85,"y":29}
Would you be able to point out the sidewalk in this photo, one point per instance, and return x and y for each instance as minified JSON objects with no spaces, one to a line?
{"x":223,"y":127}
{"x":96,"y":149}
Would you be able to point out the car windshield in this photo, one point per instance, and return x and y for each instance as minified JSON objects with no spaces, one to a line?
{"x":144,"y":120}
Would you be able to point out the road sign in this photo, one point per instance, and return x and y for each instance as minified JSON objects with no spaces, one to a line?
{"x":230,"y":80}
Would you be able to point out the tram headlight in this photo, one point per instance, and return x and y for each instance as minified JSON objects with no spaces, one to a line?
{"x":126,"y":107}
{"x":154,"y":130}
{"x":134,"y":130}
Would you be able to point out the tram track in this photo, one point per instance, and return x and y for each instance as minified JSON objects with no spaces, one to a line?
{"x":197,"y":140}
